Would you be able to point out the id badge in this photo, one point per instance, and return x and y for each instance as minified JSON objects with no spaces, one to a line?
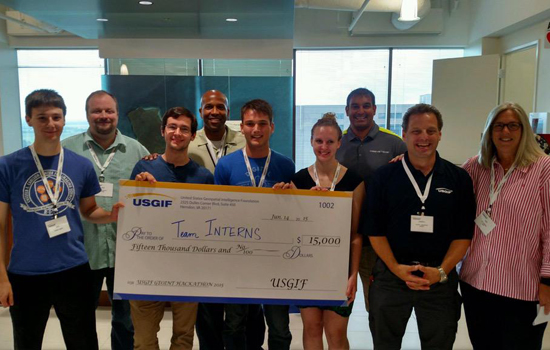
{"x":106,"y":189}
{"x":57,"y":226}
{"x":485,"y":223}
{"x":422,"y":223}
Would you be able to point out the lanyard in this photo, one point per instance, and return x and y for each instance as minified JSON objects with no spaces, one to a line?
{"x":334,"y":180}
{"x":422,"y":196}
{"x":215,"y":156}
{"x":96,"y":160}
{"x":493,"y":194}
{"x":249,"y":168}
{"x":55,"y":195}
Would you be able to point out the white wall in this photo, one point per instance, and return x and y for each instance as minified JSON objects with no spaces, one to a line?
{"x":323,"y":28}
{"x":525,"y":36}
{"x":500,"y":17}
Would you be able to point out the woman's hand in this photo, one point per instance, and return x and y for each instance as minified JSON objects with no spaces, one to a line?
{"x":352,"y":288}
{"x":6,"y":294}
{"x":544,"y":297}
{"x":397,"y":158}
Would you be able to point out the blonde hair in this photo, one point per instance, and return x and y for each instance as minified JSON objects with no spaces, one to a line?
{"x":528,"y":150}
{"x":328,"y":119}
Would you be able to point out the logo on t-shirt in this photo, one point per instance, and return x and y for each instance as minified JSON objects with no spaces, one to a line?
{"x":35,"y":195}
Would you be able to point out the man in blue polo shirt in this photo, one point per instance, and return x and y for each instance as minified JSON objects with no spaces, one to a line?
{"x":420,"y":220}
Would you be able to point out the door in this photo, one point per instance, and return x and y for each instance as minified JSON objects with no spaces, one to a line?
{"x":464,"y":90}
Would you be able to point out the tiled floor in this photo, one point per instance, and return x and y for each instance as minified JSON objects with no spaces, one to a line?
{"x":358,"y":331}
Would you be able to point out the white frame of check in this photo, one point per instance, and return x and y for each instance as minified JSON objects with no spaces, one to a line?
{"x":228,"y":244}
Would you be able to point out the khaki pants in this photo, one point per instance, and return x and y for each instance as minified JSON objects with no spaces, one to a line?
{"x":146,"y":316}
{"x":368,"y":258}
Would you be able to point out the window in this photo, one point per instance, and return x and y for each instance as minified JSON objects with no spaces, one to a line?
{"x":412,"y":80}
{"x":324,"y":78}
{"x":247,"y":68}
{"x":74,"y":74}
{"x":153,"y":66}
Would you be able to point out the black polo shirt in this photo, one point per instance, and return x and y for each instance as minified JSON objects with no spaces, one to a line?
{"x":365,"y":156}
{"x":391,"y":200}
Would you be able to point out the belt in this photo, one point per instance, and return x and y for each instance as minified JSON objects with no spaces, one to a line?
{"x":426,"y":264}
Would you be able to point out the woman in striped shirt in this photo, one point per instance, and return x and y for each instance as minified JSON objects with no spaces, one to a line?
{"x":506,"y":271}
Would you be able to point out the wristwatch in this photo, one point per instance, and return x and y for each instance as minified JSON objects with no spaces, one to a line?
{"x":442,"y":275}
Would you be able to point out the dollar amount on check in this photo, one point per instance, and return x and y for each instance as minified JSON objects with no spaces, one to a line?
{"x":183,"y":242}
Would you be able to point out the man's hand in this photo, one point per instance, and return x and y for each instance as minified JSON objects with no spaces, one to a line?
{"x":115,"y":209}
{"x":544,"y":297}
{"x":351,"y":288}
{"x":145,"y":176}
{"x":404,"y":272}
{"x":151,"y":156}
{"x":282,"y":186}
{"x":431,"y":274}
{"x":6,"y":294}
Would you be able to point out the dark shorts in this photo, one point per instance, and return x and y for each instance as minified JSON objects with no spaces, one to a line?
{"x":344,"y":311}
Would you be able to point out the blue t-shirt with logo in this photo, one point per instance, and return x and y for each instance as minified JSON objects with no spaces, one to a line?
{"x":166,"y":172}
{"x":232,"y":170}
{"x":21,"y":186}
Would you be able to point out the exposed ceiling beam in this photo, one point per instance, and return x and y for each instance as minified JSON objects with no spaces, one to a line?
{"x":357,"y":15}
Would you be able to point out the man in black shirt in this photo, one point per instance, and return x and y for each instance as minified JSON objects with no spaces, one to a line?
{"x":420,"y":220}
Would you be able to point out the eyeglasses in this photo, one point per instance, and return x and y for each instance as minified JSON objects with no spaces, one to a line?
{"x":511,"y":126}
{"x":183,"y":129}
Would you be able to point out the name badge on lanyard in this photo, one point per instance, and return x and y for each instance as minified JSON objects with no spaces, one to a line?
{"x":420,"y":223}
{"x":484,"y":221}
{"x":251,"y":173}
{"x":107,"y":188}
{"x":216,"y":155}
{"x":58,"y":225}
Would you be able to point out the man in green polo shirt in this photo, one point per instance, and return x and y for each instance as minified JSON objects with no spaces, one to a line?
{"x":114,"y":156}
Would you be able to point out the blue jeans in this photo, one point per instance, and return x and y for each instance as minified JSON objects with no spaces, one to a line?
{"x":69,"y":292}
{"x":122,"y":330}
{"x":235,"y":327}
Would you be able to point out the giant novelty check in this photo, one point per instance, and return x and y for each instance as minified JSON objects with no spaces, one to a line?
{"x":184,"y":242}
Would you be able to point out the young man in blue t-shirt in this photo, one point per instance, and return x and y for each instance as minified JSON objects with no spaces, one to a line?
{"x":179,"y":126}
{"x":258,"y":166}
{"x":47,"y":188}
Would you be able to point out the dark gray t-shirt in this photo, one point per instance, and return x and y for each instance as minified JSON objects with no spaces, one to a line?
{"x":376,"y":150}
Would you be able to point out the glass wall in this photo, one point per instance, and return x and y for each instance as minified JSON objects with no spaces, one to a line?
{"x":324,"y":78}
{"x":72,"y":73}
{"x":147,"y":88}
